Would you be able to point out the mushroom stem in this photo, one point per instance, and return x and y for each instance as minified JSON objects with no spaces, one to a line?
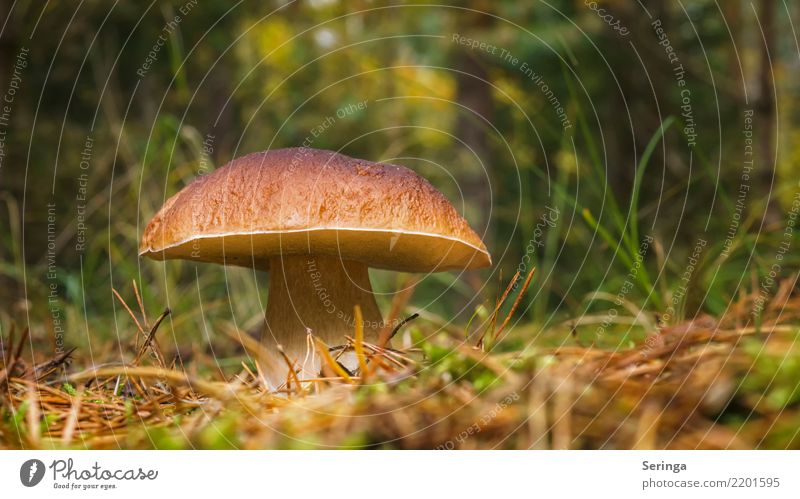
{"x":316,"y":293}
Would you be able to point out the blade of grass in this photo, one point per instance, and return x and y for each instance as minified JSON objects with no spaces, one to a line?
{"x":515,"y":304}
{"x":325,"y":355}
{"x":358,"y":345}
{"x":499,"y":303}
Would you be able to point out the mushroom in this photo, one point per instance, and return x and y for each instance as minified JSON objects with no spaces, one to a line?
{"x":316,"y":220}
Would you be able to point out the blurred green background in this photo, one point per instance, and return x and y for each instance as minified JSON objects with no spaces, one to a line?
{"x":556,"y":128}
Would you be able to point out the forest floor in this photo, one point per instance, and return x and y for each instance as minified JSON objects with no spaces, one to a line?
{"x":709,"y":383}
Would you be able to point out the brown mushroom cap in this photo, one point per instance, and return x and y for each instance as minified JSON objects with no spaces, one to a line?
{"x":306,"y":201}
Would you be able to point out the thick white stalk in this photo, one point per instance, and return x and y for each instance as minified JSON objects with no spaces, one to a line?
{"x":316,"y":293}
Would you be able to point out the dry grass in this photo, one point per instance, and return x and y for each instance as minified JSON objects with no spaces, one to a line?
{"x":667,"y":392}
